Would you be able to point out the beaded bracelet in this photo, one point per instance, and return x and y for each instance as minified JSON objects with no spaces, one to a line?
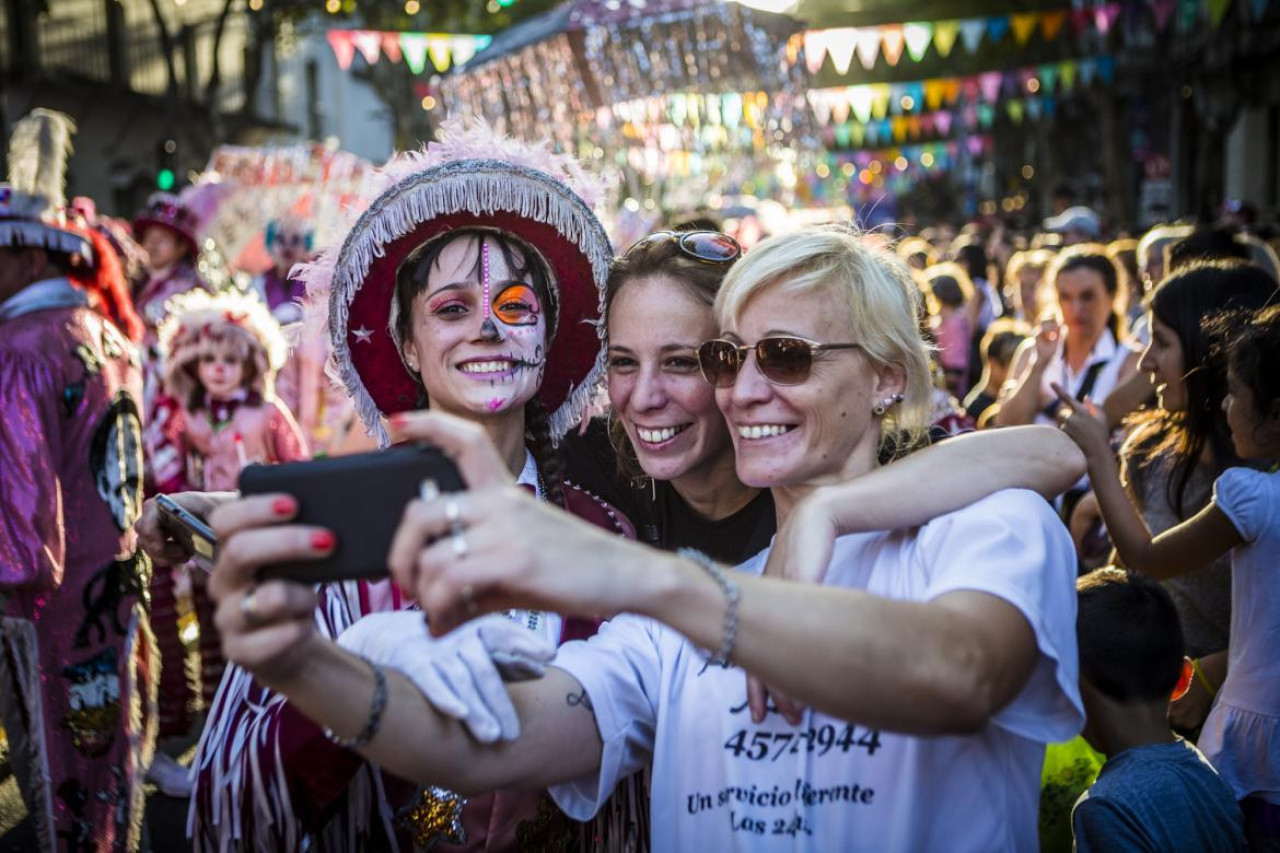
{"x":731,"y":596}
{"x":376,"y":708}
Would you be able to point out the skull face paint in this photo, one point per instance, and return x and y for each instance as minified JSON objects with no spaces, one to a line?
{"x":477,"y":354}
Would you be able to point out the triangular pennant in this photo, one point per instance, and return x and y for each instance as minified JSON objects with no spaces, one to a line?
{"x":1050,"y":106}
{"x":944,"y":36}
{"x":951,"y":90}
{"x":343,"y":47}
{"x":1081,"y":20}
{"x":414,"y":47}
{"x":840,"y":109}
{"x":880,"y":100}
{"x":971,"y":30}
{"x":464,"y":47}
{"x":1218,"y":11}
{"x":975,"y":145}
{"x":893,"y":40}
{"x":840,"y":44}
{"x":440,"y":51}
{"x":844,"y":135}
{"x":1260,"y":8}
{"x":1023,"y":25}
{"x":1067,"y":73}
{"x":899,"y":128}
{"x":1107,"y":68}
{"x":815,"y":49}
{"x":820,"y":102}
{"x":913,"y":127}
{"x":858,"y":133}
{"x":872,"y":133}
{"x":933,"y":92}
{"x":1105,"y":16}
{"x":1188,"y":14}
{"x":969,"y":117}
{"x":997,"y":27}
{"x":1088,"y":69}
{"x":896,"y":91}
{"x":917,"y":35}
{"x":929,"y":123}
{"x":916,"y":91}
{"x":942,"y":121}
{"x":369,"y":43}
{"x":1033,"y":108}
{"x":860,"y":100}
{"x":986,"y":115}
{"x":1051,"y":23}
{"x":1161,"y":12}
{"x":868,"y":45}
{"x":990,"y":84}
{"x":1048,"y":78}
{"x":391,"y":46}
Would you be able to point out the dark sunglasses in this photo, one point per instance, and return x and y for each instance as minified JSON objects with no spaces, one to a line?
{"x":709,"y":246}
{"x":781,"y":360}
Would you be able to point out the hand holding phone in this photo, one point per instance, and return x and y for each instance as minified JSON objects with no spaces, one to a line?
{"x":359,"y":498}
{"x":189,"y":531}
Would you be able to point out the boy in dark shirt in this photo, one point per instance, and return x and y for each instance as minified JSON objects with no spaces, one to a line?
{"x":1156,"y":792}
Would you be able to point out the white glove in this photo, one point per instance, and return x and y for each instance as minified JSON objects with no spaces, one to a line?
{"x":457,"y":673}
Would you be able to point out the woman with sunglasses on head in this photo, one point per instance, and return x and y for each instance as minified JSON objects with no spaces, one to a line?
{"x":469,"y":286}
{"x":933,"y":656}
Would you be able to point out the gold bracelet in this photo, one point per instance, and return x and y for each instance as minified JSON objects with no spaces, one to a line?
{"x":1203,"y":679}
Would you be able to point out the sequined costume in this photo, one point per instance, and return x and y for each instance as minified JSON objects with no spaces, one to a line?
{"x":78,"y":662}
{"x":268,"y":779}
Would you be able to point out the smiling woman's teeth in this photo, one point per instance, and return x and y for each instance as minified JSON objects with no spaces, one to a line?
{"x":657,"y":436}
{"x":762,"y":431}
{"x":487,"y":367}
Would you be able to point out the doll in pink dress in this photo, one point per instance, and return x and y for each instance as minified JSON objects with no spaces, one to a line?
{"x":221,"y":353}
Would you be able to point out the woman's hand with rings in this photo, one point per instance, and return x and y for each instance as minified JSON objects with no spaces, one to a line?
{"x":1086,"y":425}
{"x":266,"y":628}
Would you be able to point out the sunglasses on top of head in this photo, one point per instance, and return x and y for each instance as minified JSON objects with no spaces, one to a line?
{"x":710,"y":247}
{"x":782,"y":360}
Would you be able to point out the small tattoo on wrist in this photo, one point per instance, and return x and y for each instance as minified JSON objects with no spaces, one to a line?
{"x":573,"y":700}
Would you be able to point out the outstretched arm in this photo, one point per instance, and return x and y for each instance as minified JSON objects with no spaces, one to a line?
{"x":1020,"y":398}
{"x":1183,"y":548}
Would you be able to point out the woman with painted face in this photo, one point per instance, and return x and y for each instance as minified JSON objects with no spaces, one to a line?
{"x":1081,"y":348}
{"x":930,"y":656}
{"x":447,"y":294}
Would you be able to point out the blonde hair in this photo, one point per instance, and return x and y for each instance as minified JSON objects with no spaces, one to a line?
{"x":877,"y":290}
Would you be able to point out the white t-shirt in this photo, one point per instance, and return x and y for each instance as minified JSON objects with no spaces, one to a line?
{"x":721,"y":782}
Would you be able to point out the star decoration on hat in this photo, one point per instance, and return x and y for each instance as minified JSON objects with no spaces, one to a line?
{"x":435,"y":816}
{"x":363,"y":335}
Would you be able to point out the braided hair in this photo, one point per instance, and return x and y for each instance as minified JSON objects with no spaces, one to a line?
{"x":545,"y":455}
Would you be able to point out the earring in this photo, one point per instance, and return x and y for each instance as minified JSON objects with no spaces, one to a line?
{"x":880,"y":408}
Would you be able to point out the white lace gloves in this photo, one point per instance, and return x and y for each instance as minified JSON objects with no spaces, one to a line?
{"x":461,"y":674}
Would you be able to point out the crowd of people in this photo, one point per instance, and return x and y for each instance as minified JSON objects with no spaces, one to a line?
{"x":839,"y":540}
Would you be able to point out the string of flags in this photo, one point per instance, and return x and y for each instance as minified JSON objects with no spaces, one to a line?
{"x":415,"y":49}
{"x":913,"y":39}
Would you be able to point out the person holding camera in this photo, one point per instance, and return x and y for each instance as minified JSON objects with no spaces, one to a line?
{"x":470,"y":285}
{"x":930,"y":656}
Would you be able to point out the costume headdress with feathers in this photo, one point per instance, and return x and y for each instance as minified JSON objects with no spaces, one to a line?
{"x":32,"y":202}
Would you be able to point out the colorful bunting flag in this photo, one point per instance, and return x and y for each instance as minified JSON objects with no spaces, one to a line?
{"x":868,"y":45}
{"x":934,"y":90}
{"x":815,"y":49}
{"x":1105,"y":16}
{"x":880,"y":100}
{"x":1161,"y":11}
{"x":1067,"y":73}
{"x":986,"y":115}
{"x":1023,"y":25}
{"x":860,"y":100}
{"x":892,"y":41}
{"x":369,"y":43}
{"x":1260,"y":8}
{"x":391,"y":46}
{"x":1048,"y":75}
{"x":1051,"y":23}
{"x":1218,"y":11}
{"x":942,"y":122}
{"x":1034,"y":108}
{"x":343,"y":48}
{"x":990,"y":84}
{"x":414,"y":47}
{"x":1016,"y":109}
{"x":1088,"y":69}
{"x":917,"y":36}
{"x":944,"y":37}
{"x":840,"y":44}
{"x":1106,"y":68}
{"x":997,"y":27}
{"x":840,"y":110}
{"x":971,"y":30}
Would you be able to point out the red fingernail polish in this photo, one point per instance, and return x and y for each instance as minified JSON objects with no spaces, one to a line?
{"x":398,"y":419}
{"x":323,"y":540}
{"x":282,"y":506}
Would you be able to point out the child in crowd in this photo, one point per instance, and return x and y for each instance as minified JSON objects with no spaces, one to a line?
{"x":1241,"y":737}
{"x":218,"y":412}
{"x":1156,"y":792}
{"x":1003,"y":337}
{"x":950,"y":296}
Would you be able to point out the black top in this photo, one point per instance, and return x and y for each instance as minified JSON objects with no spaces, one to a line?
{"x":661,"y":517}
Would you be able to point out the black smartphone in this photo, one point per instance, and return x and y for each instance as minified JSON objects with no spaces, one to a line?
{"x":191,"y":532}
{"x":361,"y":498}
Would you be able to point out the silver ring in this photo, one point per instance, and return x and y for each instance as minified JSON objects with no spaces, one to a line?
{"x":460,"y":549}
{"x":468,"y":593}
{"x":453,"y":512}
{"x":428,"y":490}
{"x":249,"y":610}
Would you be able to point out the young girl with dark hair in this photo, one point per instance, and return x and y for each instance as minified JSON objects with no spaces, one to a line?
{"x":1241,"y":737}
